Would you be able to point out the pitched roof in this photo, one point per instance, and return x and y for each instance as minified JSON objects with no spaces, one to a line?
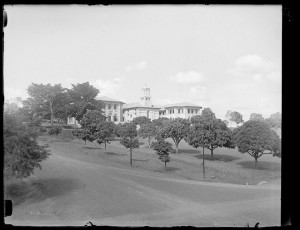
{"x":182,"y":104}
{"x":104,"y":98}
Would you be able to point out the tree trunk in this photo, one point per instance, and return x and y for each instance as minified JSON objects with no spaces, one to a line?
{"x":203,"y":163}
{"x":149,"y":141}
{"x":176,"y":144}
{"x":212,"y":153}
{"x":105,"y":145}
{"x":130,"y":156}
{"x":255,"y":162}
{"x":51,"y":111}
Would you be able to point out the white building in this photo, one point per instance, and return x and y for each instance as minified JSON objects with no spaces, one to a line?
{"x":113,"y":110}
{"x":142,"y":108}
{"x":182,"y":110}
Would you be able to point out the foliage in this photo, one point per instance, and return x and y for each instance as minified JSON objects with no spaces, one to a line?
{"x":82,"y":97}
{"x":208,"y":114}
{"x":256,"y":116}
{"x":163,"y":149}
{"x":44,"y":99}
{"x":91,"y":120}
{"x":141,"y":120}
{"x":236,"y":117}
{"x":158,"y":123}
{"x":55,"y":130}
{"x":128,"y":133}
{"x":105,"y":132}
{"x":175,"y":129}
{"x":22,"y":154}
{"x":255,"y":137}
{"x":274,"y":120}
{"x":83,"y":134}
{"x":147,"y":131}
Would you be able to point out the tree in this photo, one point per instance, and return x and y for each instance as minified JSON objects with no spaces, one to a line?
{"x":163,"y":149}
{"x":147,"y":130}
{"x":255,"y":137}
{"x":175,"y":129}
{"x":91,"y":120}
{"x":160,"y":121}
{"x":274,"y":120}
{"x":141,"y":120}
{"x":256,"y":116}
{"x":83,"y":134}
{"x":44,"y":99}
{"x":236,"y":117}
{"x":82,"y":98}
{"x":22,"y":153}
{"x":55,"y":130}
{"x":217,"y":133}
{"x":198,"y":137}
{"x":105,"y":132}
{"x":128,"y":133}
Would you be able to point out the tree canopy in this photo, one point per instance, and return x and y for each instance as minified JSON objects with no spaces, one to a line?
{"x":163,"y":149}
{"x":148,"y":131}
{"x":105,"y":132}
{"x":22,"y":153}
{"x":256,"y":116}
{"x":141,"y":120}
{"x":175,"y":129}
{"x":255,"y":137}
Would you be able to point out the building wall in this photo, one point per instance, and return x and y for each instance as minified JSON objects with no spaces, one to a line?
{"x":181,"y":112}
{"x":130,"y":114}
{"x":113,"y":111}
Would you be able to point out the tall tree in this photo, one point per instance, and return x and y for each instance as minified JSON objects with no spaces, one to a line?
{"x":256,"y":138}
{"x":235,"y":117}
{"x":163,"y":149}
{"x":22,"y":153}
{"x":83,"y":98}
{"x":44,"y":99}
{"x":148,"y":131}
{"x":274,"y":120}
{"x":91,"y":120}
{"x":175,"y":129}
{"x":198,"y":137}
{"x":83,"y":134}
{"x":129,"y":140}
{"x":256,"y":116}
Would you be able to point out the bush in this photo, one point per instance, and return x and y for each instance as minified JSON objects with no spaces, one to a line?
{"x":55,"y":130}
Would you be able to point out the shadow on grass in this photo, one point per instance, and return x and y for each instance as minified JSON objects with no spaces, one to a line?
{"x":189,"y":151}
{"x":169,"y":169}
{"x":261,"y":165}
{"x":87,"y":147}
{"x":115,"y":154}
{"x":39,"y":189}
{"x":140,"y":160}
{"x":217,"y":157}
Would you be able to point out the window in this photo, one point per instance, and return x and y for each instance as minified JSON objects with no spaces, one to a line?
{"x":188,"y":110}
{"x":115,"y":118}
{"x":178,"y":110}
{"x":115,"y":106}
{"x":109,"y":106}
{"x":147,"y":113}
{"x":109,"y":118}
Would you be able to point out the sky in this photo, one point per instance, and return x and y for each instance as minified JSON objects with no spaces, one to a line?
{"x":224,"y":57}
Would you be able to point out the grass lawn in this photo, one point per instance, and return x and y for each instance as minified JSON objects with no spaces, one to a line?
{"x":228,"y":166}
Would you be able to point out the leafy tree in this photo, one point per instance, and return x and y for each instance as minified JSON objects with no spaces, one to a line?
{"x":44,"y":99}
{"x":22,"y":154}
{"x":198,"y":137}
{"x":82,"y":98}
{"x":91,"y":120}
{"x":55,"y":130}
{"x":83,"y":134}
{"x":128,"y":133}
{"x":163,"y":149}
{"x":141,"y":120}
{"x":255,"y":137}
{"x":147,"y":130}
{"x":160,"y":121}
{"x":274,"y":120}
{"x":256,"y":116}
{"x":105,"y":132}
{"x":217,"y":134}
{"x":236,"y":117}
{"x":175,"y":129}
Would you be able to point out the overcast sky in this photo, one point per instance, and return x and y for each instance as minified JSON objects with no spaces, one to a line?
{"x":225,"y":57}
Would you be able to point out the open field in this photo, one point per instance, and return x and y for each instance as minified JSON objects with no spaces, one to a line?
{"x":81,"y":183}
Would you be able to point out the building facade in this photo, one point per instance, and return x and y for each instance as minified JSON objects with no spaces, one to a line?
{"x":180,"y":110}
{"x":113,"y":109}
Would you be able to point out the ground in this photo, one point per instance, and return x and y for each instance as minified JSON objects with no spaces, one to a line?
{"x":81,"y":183}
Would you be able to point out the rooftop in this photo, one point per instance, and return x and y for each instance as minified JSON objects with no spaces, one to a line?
{"x":182,"y":104}
{"x":104,"y":98}
{"x":139,"y":105}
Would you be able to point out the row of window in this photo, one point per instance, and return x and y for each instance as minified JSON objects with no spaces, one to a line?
{"x":112,"y":118}
{"x":110,"y":106}
{"x":172,"y":111}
